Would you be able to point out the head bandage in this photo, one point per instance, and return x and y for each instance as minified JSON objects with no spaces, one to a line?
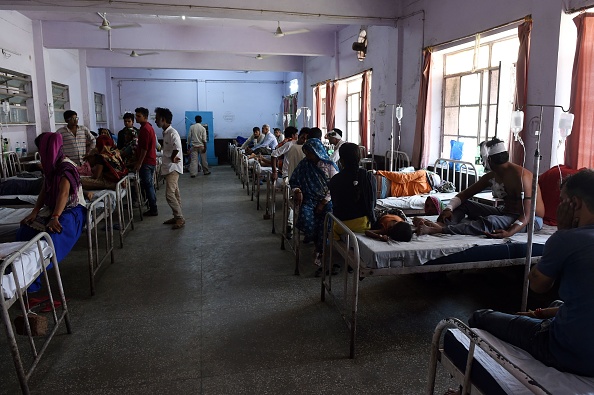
{"x":496,"y":149}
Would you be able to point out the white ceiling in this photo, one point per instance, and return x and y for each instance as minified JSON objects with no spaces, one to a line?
{"x":216,"y":34}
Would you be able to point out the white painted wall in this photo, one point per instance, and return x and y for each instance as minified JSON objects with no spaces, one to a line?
{"x":238,"y":100}
{"x":381,"y":57}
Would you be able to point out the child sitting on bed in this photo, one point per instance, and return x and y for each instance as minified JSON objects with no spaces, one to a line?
{"x":391,"y":226}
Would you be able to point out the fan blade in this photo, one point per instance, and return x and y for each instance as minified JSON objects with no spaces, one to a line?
{"x":125,"y":26}
{"x":148,"y":53}
{"x":296,"y":31}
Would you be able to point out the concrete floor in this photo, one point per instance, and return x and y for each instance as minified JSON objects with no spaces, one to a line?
{"x":214,"y":308}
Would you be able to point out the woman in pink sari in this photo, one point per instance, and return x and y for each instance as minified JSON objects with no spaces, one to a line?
{"x":60,"y":209}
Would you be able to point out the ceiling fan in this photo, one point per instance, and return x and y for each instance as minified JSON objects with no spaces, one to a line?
{"x":105,"y":25}
{"x":280,"y":33}
{"x":135,"y":54}
{"x":260,"y":56}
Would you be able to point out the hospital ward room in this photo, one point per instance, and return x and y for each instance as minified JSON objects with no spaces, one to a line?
{"x":386,"y":197}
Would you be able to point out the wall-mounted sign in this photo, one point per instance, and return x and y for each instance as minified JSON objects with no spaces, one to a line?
{"x":228,"y":116}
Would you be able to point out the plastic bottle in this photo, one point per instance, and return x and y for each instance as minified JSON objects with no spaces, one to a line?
{"x":24,"y":149}
{"x":17,"y":149}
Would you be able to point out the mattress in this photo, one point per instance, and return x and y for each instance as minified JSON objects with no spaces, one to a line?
{"x":17,"y":200}
{"x":427,"y":249}
{"x":27,"y":266}
{"x":490,"y":377}
{"x":10,"y":219}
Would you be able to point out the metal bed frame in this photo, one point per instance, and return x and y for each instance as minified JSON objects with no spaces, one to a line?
{"x":349,"y":250}
{"x":295,"y":241}
{"x":23,"y":373}
{"x":11,"y":163}
{"x":446,"y":169}
{"x":400,"y":158}
{"x":124,"y":207}
{"x":100,"y":211}
{"x":463,"y":377}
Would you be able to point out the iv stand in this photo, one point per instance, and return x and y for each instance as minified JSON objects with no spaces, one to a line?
{"x":396,"y":113}
{"x":530,"y":230}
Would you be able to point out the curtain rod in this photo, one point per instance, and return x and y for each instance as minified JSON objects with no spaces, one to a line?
{"x":343,"y":78}
{"x":433,"y":47}
{"x":580,"y":9}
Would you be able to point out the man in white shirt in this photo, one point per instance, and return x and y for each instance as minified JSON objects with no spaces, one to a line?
{"x":293,"y":153}
{"x":267,"y":145}
{"x":197,"y":142}
{"x":172,"y":165}
{"x":255,"y":139}
{"x":334,"y":137}
{"x":279,"y":135}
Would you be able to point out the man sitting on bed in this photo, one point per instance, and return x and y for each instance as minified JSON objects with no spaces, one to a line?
{"x":560,"y":337}
{"x":509,"y":182}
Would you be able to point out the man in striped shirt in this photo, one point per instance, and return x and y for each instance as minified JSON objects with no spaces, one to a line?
{"x":78,"y":140}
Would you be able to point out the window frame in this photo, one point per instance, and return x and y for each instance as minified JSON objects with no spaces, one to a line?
{"x":100,"y":116}
{"x":16,"y":89}
{"x":489,"y":103}
{"x":63,"y":100}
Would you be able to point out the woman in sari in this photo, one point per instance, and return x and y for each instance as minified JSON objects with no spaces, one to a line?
{"x":310,"y":191}
{"x":60,"y":208}
{"x":107,"y":166}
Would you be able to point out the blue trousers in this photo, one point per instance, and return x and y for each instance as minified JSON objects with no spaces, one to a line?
{"x":482,"y":218}
{"x":147,"y":174}
{"x":529,"y":334}
{"x":72,"y":221}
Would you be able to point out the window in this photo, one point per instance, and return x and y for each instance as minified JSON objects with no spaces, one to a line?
{"x":478,"y":93}
{"x":61,"y":97}
{"x":15,"y":88}
{"x":353,"y":110}
{"x":100,"y":108}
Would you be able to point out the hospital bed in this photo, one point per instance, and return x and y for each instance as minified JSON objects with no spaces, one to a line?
{"x":11,"y":165}
{"x":21,"y":263}
{"x":459,"y":173}
{"x":124,"y":207}
{"x":10,"y":221}
{"x":482,"y":363}
{"x":369,"y":257}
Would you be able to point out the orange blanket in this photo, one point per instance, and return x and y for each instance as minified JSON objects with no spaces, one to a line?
{"x":407,"y":184}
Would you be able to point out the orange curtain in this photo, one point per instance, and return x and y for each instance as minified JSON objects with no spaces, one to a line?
{"x":580,"y":144}
{"x":364,"y":114}
{"x":318,"y":105}
{"x":420,"y":153}
{"x":515,"y":149}
{"x":331,"y":87}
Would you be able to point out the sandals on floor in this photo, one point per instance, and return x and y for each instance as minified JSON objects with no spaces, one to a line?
{"x":335,"y":270}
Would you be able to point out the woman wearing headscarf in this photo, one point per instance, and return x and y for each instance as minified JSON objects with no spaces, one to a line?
{"x":107,"y":165}
{"x":310,"y":191}
{"x":60,"y":208}
{"x":353,"y":192}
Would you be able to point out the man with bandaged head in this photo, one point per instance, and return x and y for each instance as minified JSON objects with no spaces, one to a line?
{"x":509,"y":182}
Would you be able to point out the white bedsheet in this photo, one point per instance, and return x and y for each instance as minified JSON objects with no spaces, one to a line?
{"x":416,"y":202}
{"x":10,"y":219}
{"x":554,"y":381}
{"x":26,"y":267}
{"x":378,"y":254}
